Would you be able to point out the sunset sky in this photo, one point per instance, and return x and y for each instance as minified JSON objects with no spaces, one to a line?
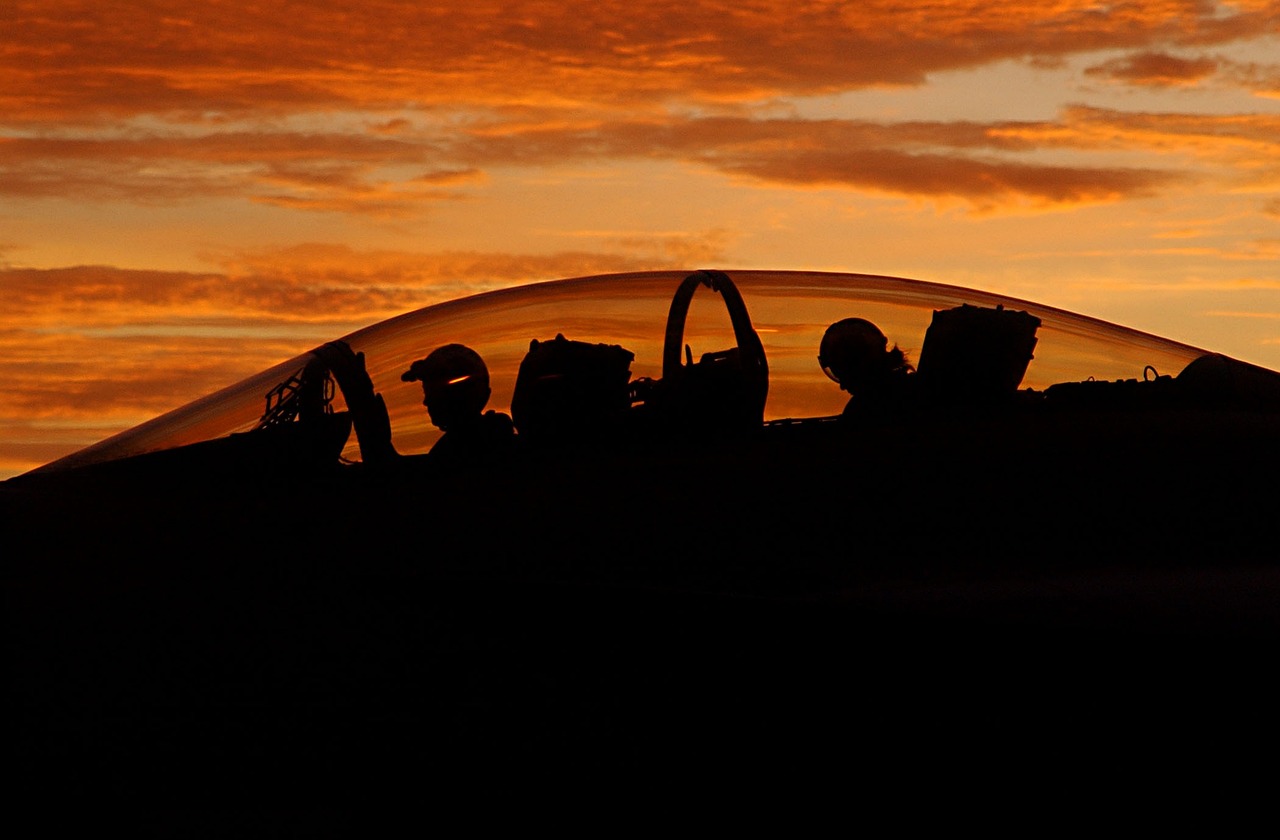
{"x":192,"y":192}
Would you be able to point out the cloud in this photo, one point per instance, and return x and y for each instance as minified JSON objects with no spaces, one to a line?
{"x":985,"y":184}
{"x":354,"y":174}
{"x":67,"y":389}
{"x":326,"y":286}
{"x":412,"y":279}
{"x":1224,"y":152}
{"x":1262,"y":79}
{"x":450,"y":176}
{"x":1155,"y":69}
{"x":77,"y":60}
{"x":336,"y":171}
{"x":1159,"y":69}
{"x":979,"y":163}
{"x":984,"y":164}
{"x":123,"y":378}
{"x":105,"y":342}
{"x":382,"y":109}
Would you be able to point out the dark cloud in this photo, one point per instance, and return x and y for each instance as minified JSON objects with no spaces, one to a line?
{"x":1155,"y":69}
{"x":450,"y":176}
{"x":1159,"y":69}
{"x":983,"y":183}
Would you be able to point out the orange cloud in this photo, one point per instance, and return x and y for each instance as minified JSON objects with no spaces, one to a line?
{"x":67,"y":389}
{"x":1155,"y":69}
{"x":929,"y":159}
{"x":410,"y":279}
{"x":977,"y":162}
{"x":348,"y":173}
{"x":378,"y":109}
{"x":1158,"y":69}
{"x":450,"y":176}
{"x":1231,"y":147}
{"x":96,"y":343}
{"x":83,"y":61}
{"x":330,"y":288}
{"x":170,"y":168}
{"x":984,"y":183}
{"x":1262,"y":79}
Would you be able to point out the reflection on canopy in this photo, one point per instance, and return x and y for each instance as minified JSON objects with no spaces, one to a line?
{"x":790,"y":311}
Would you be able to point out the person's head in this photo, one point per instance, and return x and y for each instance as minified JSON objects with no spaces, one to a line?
{"x":455,"y":384}
{"x":855,"y":354}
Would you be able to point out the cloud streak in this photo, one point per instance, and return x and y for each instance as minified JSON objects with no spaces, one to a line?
{"x":979,"y":162}
{"x":79,"y":60}
{"x":1156,"y":69}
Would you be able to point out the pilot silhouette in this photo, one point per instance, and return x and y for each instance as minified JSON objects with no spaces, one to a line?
{"x":856,"y":355}
{"x":455,"y":390}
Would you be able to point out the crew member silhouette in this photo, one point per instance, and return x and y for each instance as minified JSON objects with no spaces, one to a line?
{"x":455,"y":390}
{"x":856,"y":355}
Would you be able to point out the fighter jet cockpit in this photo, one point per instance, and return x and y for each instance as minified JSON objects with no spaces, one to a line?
{"x":689,"y":499}
{"x":692,"y":354}
{"x":688,"y":433}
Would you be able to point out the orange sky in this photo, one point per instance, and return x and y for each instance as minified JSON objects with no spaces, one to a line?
{"x":190,"y":193}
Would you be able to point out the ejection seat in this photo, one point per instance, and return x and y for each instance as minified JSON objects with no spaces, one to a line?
{"x":725,"y":390}
{"x":975,"y":355}
{"x":570,"y":391}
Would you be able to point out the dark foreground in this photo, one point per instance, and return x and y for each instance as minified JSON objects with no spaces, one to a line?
{"x":920,"y":596}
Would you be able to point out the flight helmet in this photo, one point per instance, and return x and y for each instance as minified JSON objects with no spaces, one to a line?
{"x":853,"y":352}
{"x":455,"y":384}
